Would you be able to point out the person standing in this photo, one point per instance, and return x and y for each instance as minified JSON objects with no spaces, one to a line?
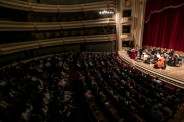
{"x":165,"y":63}
{"x":140,"y":52}
{"x":166,"y":56}
{"x":133,"y":53}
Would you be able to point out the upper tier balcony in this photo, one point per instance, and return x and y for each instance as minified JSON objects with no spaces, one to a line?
{"x":34,"y":7}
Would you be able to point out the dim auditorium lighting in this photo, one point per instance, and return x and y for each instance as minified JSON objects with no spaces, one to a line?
{"x":106,"y":12}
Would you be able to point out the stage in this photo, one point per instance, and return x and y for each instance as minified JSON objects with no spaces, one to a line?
{"x":176,"y":73}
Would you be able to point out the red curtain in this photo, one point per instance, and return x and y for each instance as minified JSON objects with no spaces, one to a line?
{"x":164,"y":24}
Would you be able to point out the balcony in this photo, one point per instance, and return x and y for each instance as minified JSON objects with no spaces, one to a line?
{"x":38,"y":26}
{"x":21,"y":46}
{"x":34,"y":7}
{"x":127,"y":36}
{"x":127,"y":20}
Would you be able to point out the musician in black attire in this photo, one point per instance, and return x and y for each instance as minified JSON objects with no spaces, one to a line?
{"x":129,"y":52}
{"x":165,"y":63}
{"x":171,"y":53}
{"x":159,"y":50}
{"x":164,"y":51}
{"x":153,"y":50}
{"x":173,"y":61}
{"x":141,"y":52}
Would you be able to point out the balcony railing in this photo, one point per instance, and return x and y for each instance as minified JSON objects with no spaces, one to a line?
{"x":34,"y":7}
{"x":34,"y":26}
{"x":127,"y":20}
{"x":21,"y":46}
{"x":127,"y":36}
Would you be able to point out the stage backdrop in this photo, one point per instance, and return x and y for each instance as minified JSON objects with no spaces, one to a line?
{"x":164,"y":24}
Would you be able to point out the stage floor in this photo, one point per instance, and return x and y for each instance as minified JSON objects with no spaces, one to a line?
{"x":173,"y":72}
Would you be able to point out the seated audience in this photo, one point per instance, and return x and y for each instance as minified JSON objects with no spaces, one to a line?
{"x":42,"y":90}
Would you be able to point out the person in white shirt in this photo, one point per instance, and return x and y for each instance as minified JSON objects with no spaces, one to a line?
{"x":157,"y":80}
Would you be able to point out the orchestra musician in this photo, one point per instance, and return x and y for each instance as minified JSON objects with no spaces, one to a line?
{"x":141,"y":52}
{"x":160,"y":63}
{"x":171,"y":53}
{"x":165,"y":51}
{"x":160,"y":58}
{"x":175,"y":60}
{"x":153,"y":50}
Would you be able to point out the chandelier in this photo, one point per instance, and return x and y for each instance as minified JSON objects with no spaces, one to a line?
{"x":107,"y":11}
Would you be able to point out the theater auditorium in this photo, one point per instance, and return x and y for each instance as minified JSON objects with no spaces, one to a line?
{"x":91,"y":61}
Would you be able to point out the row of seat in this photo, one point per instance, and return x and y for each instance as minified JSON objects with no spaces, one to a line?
{"x":47,"y":90}
{"x":135,"y":90}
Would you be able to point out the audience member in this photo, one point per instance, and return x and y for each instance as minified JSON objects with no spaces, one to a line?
{"x":40,"y":89}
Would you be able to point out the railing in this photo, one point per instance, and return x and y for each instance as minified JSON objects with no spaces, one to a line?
{"x":163,"y":77}
{"x":127,"y":36}
{"x":28,"y":6}
{"x":127,"y":20}
{"x":34,"y":26}
{"x":20,"y":46}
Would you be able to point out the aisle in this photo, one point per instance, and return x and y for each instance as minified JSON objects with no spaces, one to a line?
{"x":179,"y":116}
{"x":80,"y":108}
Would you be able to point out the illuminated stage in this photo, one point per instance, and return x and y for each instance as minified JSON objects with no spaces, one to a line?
{"x":175,"y":75}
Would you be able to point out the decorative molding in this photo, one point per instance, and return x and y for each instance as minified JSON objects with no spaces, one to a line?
{"x":127,"y":20}
{"x":127,"y":36}
{"x":165,"y":8}
{"x":141,"y":2}
{"x":128,"y":3}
